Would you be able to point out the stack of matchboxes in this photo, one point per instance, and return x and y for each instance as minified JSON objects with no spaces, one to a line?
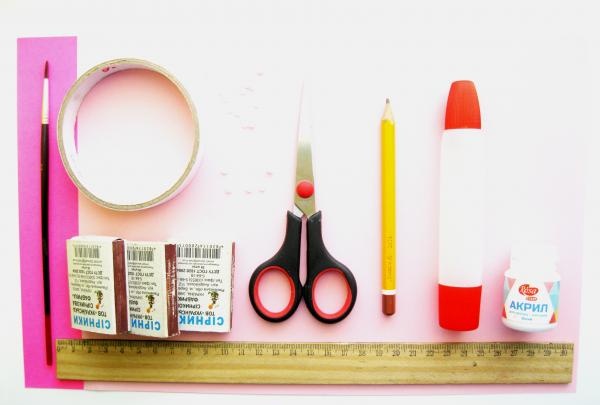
{"x":155,"y":289}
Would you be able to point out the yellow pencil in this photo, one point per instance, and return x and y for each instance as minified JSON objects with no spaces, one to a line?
{"x":388,"y":211}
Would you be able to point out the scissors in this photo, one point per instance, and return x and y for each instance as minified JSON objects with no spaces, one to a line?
{"x":318,"y":260}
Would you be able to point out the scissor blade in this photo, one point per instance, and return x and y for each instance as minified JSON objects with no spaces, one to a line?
{"x":304,"y":168}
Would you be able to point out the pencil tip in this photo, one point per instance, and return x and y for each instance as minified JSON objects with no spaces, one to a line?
{"x":46,"y":70}
{"x":387,"y":111}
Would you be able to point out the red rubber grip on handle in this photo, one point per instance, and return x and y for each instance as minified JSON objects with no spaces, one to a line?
{"x":256,"y":294}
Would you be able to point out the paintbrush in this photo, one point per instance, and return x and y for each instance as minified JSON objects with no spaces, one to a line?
{"x":44,"y":214}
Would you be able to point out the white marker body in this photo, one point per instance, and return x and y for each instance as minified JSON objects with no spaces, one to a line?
{"x":461,"y":208}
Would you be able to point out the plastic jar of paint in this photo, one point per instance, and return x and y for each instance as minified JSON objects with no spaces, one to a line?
{"x":531,"y":289}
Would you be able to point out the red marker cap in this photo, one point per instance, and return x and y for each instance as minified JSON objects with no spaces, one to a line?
{"x":459,"y":307}
{"x":462,"y":110}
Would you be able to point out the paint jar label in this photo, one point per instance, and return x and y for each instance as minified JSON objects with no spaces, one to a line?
{"x":530,"y":302}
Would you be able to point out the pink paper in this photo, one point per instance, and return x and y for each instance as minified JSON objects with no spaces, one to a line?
{"x":61,"y":54}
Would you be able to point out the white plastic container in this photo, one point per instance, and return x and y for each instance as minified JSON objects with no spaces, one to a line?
{"x":531,"y":289}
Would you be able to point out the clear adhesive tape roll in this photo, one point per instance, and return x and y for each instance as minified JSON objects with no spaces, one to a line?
{"x":66,"y":134}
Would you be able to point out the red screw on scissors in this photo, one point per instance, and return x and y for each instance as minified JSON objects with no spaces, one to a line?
{"x":318,"y":260}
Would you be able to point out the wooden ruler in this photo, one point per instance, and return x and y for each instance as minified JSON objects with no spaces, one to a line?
{"x":314,"y":363}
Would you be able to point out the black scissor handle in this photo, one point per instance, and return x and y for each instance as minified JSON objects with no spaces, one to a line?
{"x":286,"y":261}
{"x":319,"y":262}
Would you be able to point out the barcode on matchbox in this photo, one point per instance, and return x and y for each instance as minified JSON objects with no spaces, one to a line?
{"x":199,"y":251}
{"x":140,"y":254}
{"x":86,"y":252}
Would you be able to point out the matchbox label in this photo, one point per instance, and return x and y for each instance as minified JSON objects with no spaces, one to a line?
{"x":147,"y":288}
{"x":204,"y":286}
{"x":530,"y":302}
{"x":91,"y":285}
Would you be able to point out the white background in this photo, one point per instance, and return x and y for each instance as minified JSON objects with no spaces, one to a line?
{"x":138,"y":27}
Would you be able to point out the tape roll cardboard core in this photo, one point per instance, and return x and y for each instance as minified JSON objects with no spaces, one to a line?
{"x":128,"y":168}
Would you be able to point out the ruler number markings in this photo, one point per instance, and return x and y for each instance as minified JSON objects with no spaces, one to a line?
{"x":326,"y":350}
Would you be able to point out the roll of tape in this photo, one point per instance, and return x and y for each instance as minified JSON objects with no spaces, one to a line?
{"x":66,"y":134}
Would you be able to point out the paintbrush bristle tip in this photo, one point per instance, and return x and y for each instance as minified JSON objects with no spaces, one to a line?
{"x":46,"y":69}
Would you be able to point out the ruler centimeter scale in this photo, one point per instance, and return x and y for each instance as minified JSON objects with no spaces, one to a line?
{"x":314,"y":363}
